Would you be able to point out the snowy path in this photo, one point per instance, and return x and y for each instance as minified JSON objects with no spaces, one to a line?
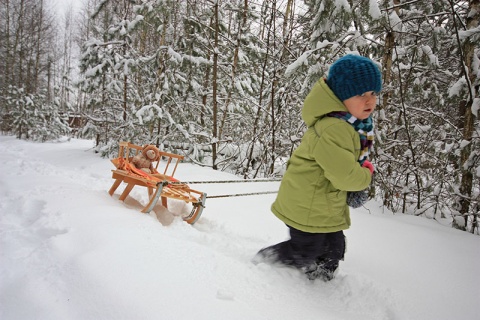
{"x":70,"y":251}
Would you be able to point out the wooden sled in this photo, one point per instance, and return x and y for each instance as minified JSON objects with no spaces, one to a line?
{"x":159,"y":185}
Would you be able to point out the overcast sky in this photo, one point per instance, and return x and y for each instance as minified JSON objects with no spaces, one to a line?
{"x":62,"y":5}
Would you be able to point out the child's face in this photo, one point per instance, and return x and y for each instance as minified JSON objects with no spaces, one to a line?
{"x":361,"y":106}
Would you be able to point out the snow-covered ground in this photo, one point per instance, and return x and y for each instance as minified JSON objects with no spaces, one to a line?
{"x":70,"y":251}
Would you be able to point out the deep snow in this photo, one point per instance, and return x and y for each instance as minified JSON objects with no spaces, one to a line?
{"x":70,"y":251}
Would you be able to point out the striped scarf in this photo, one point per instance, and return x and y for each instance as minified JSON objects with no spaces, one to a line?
{"x":364,"y":129}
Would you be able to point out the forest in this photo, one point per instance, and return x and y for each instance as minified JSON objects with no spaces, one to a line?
{"x":223,"y":82}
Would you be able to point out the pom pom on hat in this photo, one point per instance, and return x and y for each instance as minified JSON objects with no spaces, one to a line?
{"x":353,"y":75}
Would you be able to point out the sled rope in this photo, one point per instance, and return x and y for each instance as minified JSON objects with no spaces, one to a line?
{"x":229,"y":181}
{"x":233,"y":181}
{"x":241,"y":194}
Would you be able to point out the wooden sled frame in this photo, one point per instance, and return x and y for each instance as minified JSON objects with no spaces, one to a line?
{"x":159,"y":185}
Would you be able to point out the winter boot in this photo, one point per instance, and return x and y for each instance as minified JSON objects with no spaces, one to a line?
{"x":267,"y":255}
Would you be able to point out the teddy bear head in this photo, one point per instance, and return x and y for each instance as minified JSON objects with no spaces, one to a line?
{"x":151,"y":152}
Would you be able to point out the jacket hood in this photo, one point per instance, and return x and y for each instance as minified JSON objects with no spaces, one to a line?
{"x":320,"y":101}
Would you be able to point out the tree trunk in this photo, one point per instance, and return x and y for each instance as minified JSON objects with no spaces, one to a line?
{"x":17,"y":80}
{"x":387,"y":64}
{"x":241,"y":25}
{"x":214,"y":92}
{"x":272,"y":94}
{"x":5,"y":38}
{"x":38,"y":54}
{"x":468,"y":49}
{"x":387,"y":79}
{"x":253,"y":141}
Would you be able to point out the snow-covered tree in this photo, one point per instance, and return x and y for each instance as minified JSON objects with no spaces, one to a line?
{"x":34,"y":118}
{"x":107,"y":63}
{"x":28,"y":55}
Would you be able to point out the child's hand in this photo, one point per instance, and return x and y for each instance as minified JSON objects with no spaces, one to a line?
{"x":367,"y":164}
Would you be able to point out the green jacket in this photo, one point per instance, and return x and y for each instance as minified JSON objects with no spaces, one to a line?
{"x":313,"y":192}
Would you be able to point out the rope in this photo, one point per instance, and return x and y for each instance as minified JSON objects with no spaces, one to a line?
{"x":226,"y":181}
{"x":241,"y":194}
{"x":230,"y":181}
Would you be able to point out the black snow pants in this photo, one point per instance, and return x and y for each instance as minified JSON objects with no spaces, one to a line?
{"x":305,"y":250}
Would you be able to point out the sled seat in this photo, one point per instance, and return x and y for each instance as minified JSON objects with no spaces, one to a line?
{"x":160,"y":185}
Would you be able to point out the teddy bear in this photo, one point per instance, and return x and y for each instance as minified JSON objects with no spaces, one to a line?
{"x":144,"y":159}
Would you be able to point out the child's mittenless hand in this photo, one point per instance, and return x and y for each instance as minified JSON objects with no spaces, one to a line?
{"x":367,"y":164}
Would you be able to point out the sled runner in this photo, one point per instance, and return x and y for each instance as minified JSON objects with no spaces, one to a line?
{"x":159,"y":185}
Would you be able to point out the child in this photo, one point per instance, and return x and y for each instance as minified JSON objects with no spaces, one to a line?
{"x":330,"y":161}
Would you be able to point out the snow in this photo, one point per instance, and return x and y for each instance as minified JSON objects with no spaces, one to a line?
{"x":464,"y":34}
{"x":395,"y":21}
{"x":302,"y":60}
{"x":475,"y":106}
{"x":374,"y":10}
{"x":427,"y":50}
{"x":69,"y":250}
{"x":342,"y":4}
{"x":175,"y":56}
{"x":457,"y":87}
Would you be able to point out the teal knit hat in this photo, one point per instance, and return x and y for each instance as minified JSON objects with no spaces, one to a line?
{"x":353,"y":75}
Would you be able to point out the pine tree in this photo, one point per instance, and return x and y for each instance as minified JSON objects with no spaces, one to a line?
{"x":107,"y":61}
